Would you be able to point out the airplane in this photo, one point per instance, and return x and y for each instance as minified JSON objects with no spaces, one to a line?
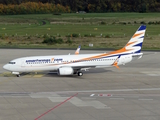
{"x":75,"y":64}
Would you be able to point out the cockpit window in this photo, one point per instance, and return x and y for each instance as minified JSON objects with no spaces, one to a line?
{"x":12,"y":62}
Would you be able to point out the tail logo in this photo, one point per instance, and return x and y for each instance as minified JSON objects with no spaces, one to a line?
{"x":135,"y":43}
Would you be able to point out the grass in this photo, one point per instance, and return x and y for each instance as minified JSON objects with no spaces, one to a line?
{"x":27,"y":31}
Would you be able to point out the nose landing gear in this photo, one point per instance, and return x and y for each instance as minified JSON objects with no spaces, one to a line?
{"x":16,"y":73}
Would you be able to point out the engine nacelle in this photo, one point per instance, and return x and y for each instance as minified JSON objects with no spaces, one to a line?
{"x":65,"y":71}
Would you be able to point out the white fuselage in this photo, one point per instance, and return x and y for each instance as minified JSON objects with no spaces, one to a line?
{"x":49,"y":63}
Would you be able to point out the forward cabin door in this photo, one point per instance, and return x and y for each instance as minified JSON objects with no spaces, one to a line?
{"x":23,"y":63}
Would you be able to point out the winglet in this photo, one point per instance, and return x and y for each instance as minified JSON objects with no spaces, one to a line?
{"x":115,"y":65}
{"x":78,"y":49}
{"x":116,"y":62}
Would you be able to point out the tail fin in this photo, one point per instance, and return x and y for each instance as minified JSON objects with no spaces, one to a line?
{"x":135,"y":43}
{"x":78,"y":49}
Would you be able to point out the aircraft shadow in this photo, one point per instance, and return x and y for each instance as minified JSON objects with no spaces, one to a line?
{"x":91,"y":71}
{"x":54,"y":74}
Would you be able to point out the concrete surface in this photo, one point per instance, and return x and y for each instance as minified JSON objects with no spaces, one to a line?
{"x":131,"y":93}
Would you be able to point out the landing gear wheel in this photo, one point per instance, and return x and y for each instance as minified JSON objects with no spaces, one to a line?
{"x":80,"y":74}
{"x":18,"y":75}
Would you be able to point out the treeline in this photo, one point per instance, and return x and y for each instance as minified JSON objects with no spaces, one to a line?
{"x":32,"y":8}
{"x":48,"y":6}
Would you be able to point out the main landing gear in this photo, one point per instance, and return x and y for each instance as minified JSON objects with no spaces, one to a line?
{"x":80,"y":73}
{"x":18,"y":75}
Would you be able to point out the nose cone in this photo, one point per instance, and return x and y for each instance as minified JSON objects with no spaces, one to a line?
{"x":6,"y":67}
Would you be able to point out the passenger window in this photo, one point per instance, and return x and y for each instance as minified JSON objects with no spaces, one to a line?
{"x":12,"y":62}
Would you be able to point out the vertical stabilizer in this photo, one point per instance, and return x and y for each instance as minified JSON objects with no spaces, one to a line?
{"x":135,"y":43}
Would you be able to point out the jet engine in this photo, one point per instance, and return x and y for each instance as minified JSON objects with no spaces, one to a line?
{"x":65,"y":71}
